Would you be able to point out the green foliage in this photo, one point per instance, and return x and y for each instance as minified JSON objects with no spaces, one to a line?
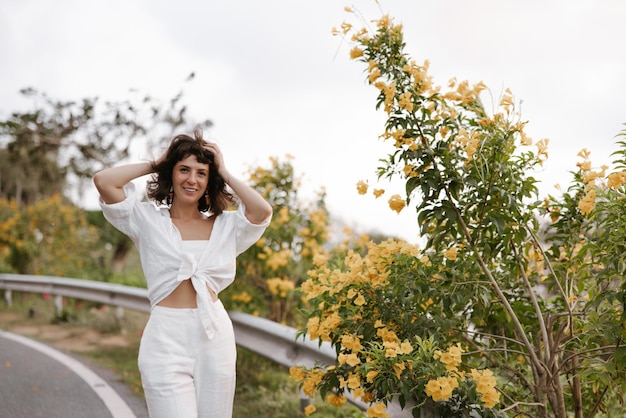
{"x":265,"y":390}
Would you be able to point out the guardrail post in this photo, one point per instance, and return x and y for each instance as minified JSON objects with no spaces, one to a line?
{"x":8,"y":297}
{"x":119,"y":313}
{"x":58,"y":304}
{"x":304,"y":400}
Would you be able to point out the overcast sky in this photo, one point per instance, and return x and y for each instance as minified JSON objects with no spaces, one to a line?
{"x":274,"y":81}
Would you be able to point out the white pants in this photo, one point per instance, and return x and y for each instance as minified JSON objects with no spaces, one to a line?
{"x":183,"y":373}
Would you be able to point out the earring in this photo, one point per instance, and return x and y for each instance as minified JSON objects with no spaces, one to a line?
{"x":170,"y":197}
{"x":207,"y":199}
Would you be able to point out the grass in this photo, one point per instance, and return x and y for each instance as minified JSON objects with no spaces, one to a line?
{"x":264,"y":388}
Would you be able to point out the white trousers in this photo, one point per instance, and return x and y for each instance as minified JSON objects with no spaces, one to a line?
{"x":183,"y":373}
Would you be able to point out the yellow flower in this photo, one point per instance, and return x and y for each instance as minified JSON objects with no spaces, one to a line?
{"x":451,"y":253}
{"x":441,"y":388}
{"x":244,"y":297}
{"x":378,"y":192}
{"x":615,"y":180}
{"x":361,"y":187}
{"x":490,"y":398}
{"x":471,"y":147}
{"x":278,"y":259}
{"x":352,"y":343}
{"x":396,"y":203}
{"x":426,"y":304}
{"x":312,"y":326}
{"x":398,"y":368}
{"x":354,"y":381}
{"x":542,"y":149}
{"x":350,"y":359}
{"x":507,"y":101}
{"x":584,"y":153}
{"x":391,"y":348}
{"x":280,"y":287}
{"x":584,"y":166}
{"x":409,"y":170}
{"x":328,"y":325}
{"x":485,"y":385}
{"x":387,"y":335}
{"x":309,"y":409}
{"x":406,"y":347}
{"x":444,"y":131}
{"x":588,"y":202}
{"x":377,"y":411}
{"x":368,"y":397}
{"x":405,"y":102}
{"x":371,"y":375}
{"x":297,"y":374}
{"x":374,"y":75}
{"x":283,"y":215}
{"x":384,"y":22}
{"x":360,"y":300}
{"x":356,"y":53}
{"x":525,"y":139}
{"x":336,"y":400}
{"x":591,"y":176}
{"x":451,"y":358}
{"x":310,"y":382}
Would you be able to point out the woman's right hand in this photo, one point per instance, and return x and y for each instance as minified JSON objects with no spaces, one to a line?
{"x":161,"y":158}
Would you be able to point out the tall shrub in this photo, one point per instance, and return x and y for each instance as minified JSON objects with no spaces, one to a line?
{"x":515,"y":304}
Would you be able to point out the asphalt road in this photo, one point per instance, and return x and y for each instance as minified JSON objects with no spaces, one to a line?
{"x":38,"y":381}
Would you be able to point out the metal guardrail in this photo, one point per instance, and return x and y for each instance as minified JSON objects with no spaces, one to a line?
{"x":264,"y":337}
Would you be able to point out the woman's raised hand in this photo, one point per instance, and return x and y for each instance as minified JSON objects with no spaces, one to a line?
{"x":218,"y":159}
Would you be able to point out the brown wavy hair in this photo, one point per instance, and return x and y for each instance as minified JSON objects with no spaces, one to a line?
{"x":180,"y":148}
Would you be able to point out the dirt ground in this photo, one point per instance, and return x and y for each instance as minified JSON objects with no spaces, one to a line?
{"x":101,"y":330}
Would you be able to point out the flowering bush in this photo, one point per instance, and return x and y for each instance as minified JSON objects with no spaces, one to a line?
{"x":531,"y":288}
{"x":50,"y":237}
{"x":268,"y":273}
{"x":362,"y":303}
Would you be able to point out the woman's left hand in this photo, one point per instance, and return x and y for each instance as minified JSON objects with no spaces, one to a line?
{"x":218,"y":159}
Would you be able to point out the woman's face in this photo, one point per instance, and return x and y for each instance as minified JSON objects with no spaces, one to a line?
{"x":189,"y":180}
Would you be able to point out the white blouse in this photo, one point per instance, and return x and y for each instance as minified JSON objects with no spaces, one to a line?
{"x":164,"y":261}
{"x":194,"y":247}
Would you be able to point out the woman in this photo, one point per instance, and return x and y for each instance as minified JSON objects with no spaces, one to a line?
{"x":187,"y":248}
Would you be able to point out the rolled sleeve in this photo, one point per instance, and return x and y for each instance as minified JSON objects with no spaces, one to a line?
{"x":119,"y":214}
{"x":247,"y":232}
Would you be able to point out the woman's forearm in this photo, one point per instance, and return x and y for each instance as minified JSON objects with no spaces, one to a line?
{"x":257,"y":208}
{"x":110,"y":182}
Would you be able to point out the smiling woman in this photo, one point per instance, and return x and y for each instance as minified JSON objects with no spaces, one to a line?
{"x":188,"y":243}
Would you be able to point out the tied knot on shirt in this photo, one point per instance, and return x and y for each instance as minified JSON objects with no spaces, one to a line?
{"x":199,"y":280}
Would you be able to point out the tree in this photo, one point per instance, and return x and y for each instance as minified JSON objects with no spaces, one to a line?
{"x":269,"y":272}
{"x":62,"y":143}
{"x":530,"y":289}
